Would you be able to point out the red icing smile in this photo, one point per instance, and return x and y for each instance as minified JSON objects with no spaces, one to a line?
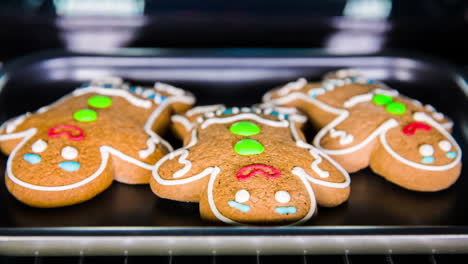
{"x":411,"y":128}
{"x":257,"y":169}
{"x":72,"y":132}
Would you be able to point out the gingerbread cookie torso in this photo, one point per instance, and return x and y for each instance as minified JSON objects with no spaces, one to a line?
{"x":70,"y":151}
{"x":363,"y":122}
{"x":248,"y":166}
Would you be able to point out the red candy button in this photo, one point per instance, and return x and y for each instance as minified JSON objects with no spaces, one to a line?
{"x":72,"y":132}
{"x":257,"y":169}
{"x":411,"y":128}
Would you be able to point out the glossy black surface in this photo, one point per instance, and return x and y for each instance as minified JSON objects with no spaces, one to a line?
{"x":238,"y":77}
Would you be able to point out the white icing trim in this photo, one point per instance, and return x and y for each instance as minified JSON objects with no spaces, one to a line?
{"x":423,"y":117}
{"x":115,"y":92}
{"x":438,"y":116}
{"x":317,"y":154}
{"x":164,"y":87}
{"x":11,"y":125}
{"x":346,"y":73}
{"x":183,"y":121}
{"x":416,"y":102}
{"x":358,"y":99}
{"x":291,"y":86}
{"x":429,"y":108}
{"x":448,"y":125}
{"x":113,"y":80}
{"x":388,"y":92}
{"x":219,"y":120}
{"x":204,"y":109}
{"x":183,"y":152}
{"x":316,"y":91}
{"x":345,"y":138}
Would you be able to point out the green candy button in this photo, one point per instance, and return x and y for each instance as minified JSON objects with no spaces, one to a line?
{"x":381,"y":99}
{"x":396,"y":108}
{"x":99,"y":101}
{"x":244,"y":128}
{"x":247,"y":147}
{"x":85,"y":115}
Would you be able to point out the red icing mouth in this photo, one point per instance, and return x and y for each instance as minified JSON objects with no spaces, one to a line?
{"x":411,"y":128}
{"x":257,"y":169}
{"x":72,"y":132}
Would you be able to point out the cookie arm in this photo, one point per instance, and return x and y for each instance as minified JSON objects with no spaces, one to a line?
{"x":179,"y":177}
{"x":10,"y":135}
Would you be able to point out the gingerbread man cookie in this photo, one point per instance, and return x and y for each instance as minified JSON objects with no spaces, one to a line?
{"x":363,"y":122}
{"x":248,"y":166}
{"x":72,"y":150}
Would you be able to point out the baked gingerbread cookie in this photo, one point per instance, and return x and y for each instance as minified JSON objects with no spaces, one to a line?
{"x":363,"y":122}
{"x":72,"y":150}
{"x":248,"y":166}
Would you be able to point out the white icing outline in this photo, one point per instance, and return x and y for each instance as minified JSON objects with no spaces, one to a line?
{"x":381,"y":130}
{"x":358,"y":99}
{"x":295,"y":85}
{"x":115,"y":92}
{"x":183,"y":121}
{"x":164,"y":87}
{"x":223,"y":120}
{"x":345,"y":138}
{"x":11,"y":125}
{"x":105,"y":150}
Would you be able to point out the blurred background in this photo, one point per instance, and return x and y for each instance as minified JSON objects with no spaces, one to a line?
{"x":436,"y":28}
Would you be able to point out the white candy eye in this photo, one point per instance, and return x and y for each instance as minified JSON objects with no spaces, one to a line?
{"x":282,"y":196}
{"x":242,"y":196}
{"x":69,"y":153}
{"x":426,"y":150}
{"x":39,"y":146}
{"x":445,"y":145}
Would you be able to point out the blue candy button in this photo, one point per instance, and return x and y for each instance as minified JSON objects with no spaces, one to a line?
{"x":32,"y":158}
{"x":451,"y":154}
{"x":69,"y":165}
{"x":428,"y":160}
{"x":241,"y":207}
{"x":286,"y":210}
{"x":227,"y":112}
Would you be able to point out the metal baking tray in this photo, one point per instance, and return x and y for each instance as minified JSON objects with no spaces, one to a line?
{"x":379,"y":217}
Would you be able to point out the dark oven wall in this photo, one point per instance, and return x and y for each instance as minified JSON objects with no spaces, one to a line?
{"x":430,"y":27}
